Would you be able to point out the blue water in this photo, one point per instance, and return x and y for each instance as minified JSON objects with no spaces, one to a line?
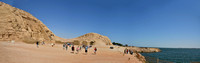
{"x":177,"y":55}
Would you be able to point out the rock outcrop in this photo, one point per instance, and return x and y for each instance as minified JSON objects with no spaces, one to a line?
{"x":144,"y":49}
{"x":16,"y":24}
{"x":92,"y":39}
{"x":19,"y":25}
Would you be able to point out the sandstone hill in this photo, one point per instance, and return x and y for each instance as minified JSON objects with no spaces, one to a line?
{"x":19,"y":25}
{"x":92,"y":39}
{"x":16,"y":24}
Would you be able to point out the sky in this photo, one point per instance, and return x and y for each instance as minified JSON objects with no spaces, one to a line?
{"x":144,"y":23}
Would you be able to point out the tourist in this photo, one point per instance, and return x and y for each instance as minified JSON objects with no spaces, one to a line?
{"x":125,"y":51}
{"x":95,"y":50}
{"x":64,"y":46}
{"x":80,"y":48}
{"x":86,"y":49}
{"x":83,"y":46}
{"x":52,"y":44}
{"x":70,"y":44}
{"x":37,"y":43}
{"x":43,"y":43}
{"x":131,"y":52}
{"x":73,"y":48}
{"x":77,"y":49}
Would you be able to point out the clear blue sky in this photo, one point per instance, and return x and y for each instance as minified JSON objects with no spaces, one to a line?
{"x":146,"y":23}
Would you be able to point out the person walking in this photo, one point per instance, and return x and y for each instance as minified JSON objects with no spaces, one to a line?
{"x":52,"y":44}
{"x":80,"y":48}
{"x":86,"y":49}
{"x":73,"y":48}
{"x":64,"y":46}
{"x":77,"y":49}
{"x":126,"y":51}
{"x":95,"y":50}
{"x":43,"y":43}
{"x":37,"y":43}
{"x":131,"y":52}
{"x":70,"y":44}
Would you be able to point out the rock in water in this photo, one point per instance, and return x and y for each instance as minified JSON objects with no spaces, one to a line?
{"x":16,"y":24}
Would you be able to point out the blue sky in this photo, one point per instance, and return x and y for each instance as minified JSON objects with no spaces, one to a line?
{"x":146,"y":23}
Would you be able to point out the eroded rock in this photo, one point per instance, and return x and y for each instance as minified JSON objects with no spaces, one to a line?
{"x":16,"y":24}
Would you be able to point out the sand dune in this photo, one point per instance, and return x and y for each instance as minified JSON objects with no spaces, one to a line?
{"x":28,"y":53}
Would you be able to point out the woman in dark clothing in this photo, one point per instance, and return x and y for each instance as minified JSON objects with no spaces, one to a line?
{"x":131,"y":52}
{"x":86,"y":49}
{"x":73,"y":48}
{"x":37,"y":43}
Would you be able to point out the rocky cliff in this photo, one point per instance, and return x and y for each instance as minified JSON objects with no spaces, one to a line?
{"x":16,"y":24}
{"x":19,"y":25}
{"x":144,"y":49}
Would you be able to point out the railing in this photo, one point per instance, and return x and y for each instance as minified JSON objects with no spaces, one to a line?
{"x":155,"y":60}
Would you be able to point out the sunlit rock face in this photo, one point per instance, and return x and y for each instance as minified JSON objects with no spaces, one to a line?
{"x":19,"y":25}
{"x":16,"y":24}
{"x":92,"y":39}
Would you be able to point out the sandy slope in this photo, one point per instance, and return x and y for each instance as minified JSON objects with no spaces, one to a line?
{"x":28,"y":53}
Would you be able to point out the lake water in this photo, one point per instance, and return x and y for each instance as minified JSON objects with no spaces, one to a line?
{"x":177,"y":55}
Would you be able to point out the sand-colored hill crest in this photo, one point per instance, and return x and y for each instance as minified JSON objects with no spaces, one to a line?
{"x":92,"y":39}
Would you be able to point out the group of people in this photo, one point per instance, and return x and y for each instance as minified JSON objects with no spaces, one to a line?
{"x":126,"y":51}
{"x":67,"y":45}
{"x":43,"y":43}
{"x":38,"y":43}
{"x":78,"y":48}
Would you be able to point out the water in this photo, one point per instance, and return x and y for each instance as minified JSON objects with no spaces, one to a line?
{"x":177,"y":55}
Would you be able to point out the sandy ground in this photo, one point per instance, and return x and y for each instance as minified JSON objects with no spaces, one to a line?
{"x":19,"y":52}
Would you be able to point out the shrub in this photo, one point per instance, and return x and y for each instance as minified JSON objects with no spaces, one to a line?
{"x":118,"y":44}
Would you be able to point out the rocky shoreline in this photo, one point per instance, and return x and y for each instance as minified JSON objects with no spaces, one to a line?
{"x":144,"y":49}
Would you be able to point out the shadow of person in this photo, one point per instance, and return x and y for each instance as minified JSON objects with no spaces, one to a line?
{"x":72,"y":52}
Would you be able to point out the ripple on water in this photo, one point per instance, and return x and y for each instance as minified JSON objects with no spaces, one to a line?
{"x":183,"y":55}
